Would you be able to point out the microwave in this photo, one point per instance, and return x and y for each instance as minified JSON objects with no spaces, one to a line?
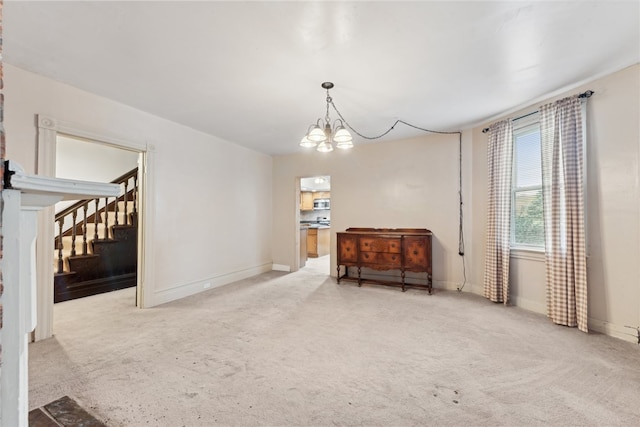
{"x":319,"y":204}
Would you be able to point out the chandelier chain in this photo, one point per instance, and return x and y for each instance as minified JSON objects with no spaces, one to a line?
{"x":330,"y":101}
{"x":326,"y":146}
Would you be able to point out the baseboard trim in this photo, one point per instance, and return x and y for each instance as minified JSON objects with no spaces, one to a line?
{"x":167,"y":295}
{"x":595,"y":325}
{"x":529,"y":305}
{"x":281,"y":267}
{"x":449,"y":286}
{"x":616,"y":331}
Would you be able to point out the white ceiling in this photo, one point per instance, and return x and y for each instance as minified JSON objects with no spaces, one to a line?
{"x":250,"y":72}
{"x":316,"y":183}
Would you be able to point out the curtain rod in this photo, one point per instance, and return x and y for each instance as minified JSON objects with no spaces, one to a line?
{"x":586,"y":94}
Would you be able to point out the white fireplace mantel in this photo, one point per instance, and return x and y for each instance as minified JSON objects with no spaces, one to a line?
{"x":23,"y":196}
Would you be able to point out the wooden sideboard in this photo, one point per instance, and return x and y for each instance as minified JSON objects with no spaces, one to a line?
{"x":404,"y":249}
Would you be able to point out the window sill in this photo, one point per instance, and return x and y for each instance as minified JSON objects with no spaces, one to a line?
{"x":530,"y":254}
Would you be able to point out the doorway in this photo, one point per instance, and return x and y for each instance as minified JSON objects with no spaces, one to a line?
{"x":314,"y":222}
{"x":48,"y":130}
{"x":96,"y":240}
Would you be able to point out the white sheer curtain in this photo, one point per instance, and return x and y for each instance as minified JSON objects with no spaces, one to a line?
{"x":500,"y":158}
{"x":562,"y":189}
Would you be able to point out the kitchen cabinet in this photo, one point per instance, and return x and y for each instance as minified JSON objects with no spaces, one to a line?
{"x":306,"y":200}
{"x":318,"y":241}
{"x":322,"y":195}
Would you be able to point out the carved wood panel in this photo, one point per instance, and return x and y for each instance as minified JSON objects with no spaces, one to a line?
{"x":348,"y":248}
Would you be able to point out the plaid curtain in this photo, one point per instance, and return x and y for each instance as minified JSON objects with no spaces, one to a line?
{"x":496,"y":265}
{"x":562,"y":190}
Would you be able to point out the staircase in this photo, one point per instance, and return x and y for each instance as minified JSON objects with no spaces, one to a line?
{"x":96,"y":244}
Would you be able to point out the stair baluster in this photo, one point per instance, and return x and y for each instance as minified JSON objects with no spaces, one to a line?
{"x":74,"y":217}
{"x":135,"y":196}
{"x":60,"y":246}
{"x":95,"y":220}
{"x":126,"y":195}
{"x":106,"y":218}
{"x":116,"y":210}
{"x":84,"y":229}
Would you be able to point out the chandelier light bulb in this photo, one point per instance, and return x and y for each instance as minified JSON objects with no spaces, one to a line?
{"x":305,"y":142}
{"x":316,"y":134}
{"x":342,"y":135}
{"x":344,"y":145}
{"x":325,"y":147}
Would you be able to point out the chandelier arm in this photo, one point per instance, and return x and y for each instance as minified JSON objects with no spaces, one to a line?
{"x":391,"y":128}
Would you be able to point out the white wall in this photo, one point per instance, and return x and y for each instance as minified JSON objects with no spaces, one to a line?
{"x":211,"y":211}
{"x":413,"y":183}
{"x":90,"y":161}
{"x":613,"y":209}
{"x":406,"y":183}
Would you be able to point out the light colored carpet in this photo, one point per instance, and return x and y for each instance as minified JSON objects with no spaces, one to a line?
{"x":298,"y":349}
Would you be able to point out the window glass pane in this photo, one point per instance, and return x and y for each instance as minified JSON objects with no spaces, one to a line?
{"x":528,"y":218}
{"x":528,"y":161}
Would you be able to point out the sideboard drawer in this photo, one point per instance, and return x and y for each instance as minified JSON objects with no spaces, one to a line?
{"x":391,"y":260}
{"x":372,"y":244}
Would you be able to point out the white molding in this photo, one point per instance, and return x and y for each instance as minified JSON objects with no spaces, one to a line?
{"x":529,"y":254}
{"x":13,"y":398}
{"x":146,"y":235}
{"x":46,"y":166}
{"x":45,"y":122}
{"x":81,"y":131}
{"x":184,"y":290}
{"x":595,"y":325}
{"x":449,"y":286}
{"x":70,"y":189}
{"x":281,"y":267}
{"x":48,"y":130}
{"x":612,"y":330}
{"x":28,"y":195}
{"x":529,"y":305}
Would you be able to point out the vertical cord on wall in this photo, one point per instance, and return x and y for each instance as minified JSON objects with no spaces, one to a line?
{"x":461,"y":228}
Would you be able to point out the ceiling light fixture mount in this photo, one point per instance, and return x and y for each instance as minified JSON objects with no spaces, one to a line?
{"x":322,"y":136}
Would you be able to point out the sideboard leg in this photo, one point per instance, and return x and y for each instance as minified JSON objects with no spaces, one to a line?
{"x":430,"y":283}
{"x":339,"y":274}
{"x":402,"y":274}
{"x":359,"y":278}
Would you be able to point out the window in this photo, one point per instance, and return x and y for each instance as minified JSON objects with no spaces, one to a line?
{"x":527,"y":219}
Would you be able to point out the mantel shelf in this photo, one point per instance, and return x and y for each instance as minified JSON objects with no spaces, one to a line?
{"x":23,"y":196}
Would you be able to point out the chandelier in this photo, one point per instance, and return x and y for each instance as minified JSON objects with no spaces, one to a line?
{"x":322,"y":136}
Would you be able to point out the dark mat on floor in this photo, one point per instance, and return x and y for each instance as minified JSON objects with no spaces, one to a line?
{"x":39,"y":418}
{"x":66,"y":413}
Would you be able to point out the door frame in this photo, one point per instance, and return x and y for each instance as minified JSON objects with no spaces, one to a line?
{"x":48,"y":130}
{"x":298,"y":191}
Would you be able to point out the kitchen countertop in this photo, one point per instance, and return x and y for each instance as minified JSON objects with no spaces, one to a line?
{"x":319,"y":226}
